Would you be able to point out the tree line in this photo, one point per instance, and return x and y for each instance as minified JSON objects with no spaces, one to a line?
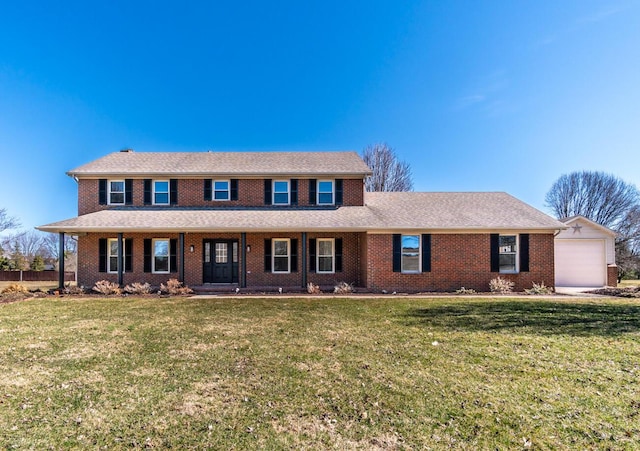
{"x":32,"y":250}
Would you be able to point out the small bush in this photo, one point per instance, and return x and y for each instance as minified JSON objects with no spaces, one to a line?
{"x":539,"y":289}
{"x":138,"y":288}
{"x":500,"y":285}
{"x":343,"y":288}
{"x":107,"y":288}
{"x":73,"y":289}
{"x":464,"y":290}
{"x":312,"y":288}
{"x":15,"y":288}
{"x":174,"y":287}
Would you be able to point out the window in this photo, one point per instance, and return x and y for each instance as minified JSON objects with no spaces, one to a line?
{"x":281,"y":254}
{"x":112,"y":255}
{"x":116,"y":192}
{"x":281,"y":192}
{"x":507,"y":249}
{"x":161,"y":192}
{"x":411,"y":253}
{"x":325,"y":192}
{"x":325,"y":255}
{"x":160,"y":256}
{"x":221,"y":190}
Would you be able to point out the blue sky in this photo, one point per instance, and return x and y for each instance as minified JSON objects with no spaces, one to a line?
{"x":475,"y":95}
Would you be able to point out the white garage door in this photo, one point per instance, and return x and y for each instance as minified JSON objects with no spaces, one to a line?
{"x":580,"y":263}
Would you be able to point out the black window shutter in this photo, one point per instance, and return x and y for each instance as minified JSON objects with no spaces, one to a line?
{"x":128,"y":255}
{"x":267,"y":192}
{"x":524,"y":252}
{"x":128,"y":191}
{"x":234,"y":189}
{"x":495,"y":252}
{"x":294,"y":191}
{"x":312,"y":255}
{"x":102,"y":191}
{"x":426,"y":252}
{"x":397,"y":252}
{"x":338,"y":244}
{"x":312,"y":191}
{"x":173,"y":191}
{"x":102,"y":251}
{"x":294,"y":255}
{"x":267,"y":255}
{"x":173,"y":252}
{"x":147,"y":255}
{"x":339,"y":192}
{"x":147,"y":191}
{"x":207,"y":189}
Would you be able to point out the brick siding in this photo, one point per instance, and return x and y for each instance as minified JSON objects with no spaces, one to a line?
{"x":457,"y":260}
{"x":191,"y":194}
{"x":612,"y":275}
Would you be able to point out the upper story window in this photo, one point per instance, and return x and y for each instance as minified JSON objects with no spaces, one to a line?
{"x":325,"y":192}
{"x":411,"y":253}
{"x":281,"y":192}
{"x":161,"y":192}
{"x":508,"y":253}
{"x":221,"y":190}
{"x":116,"y":192}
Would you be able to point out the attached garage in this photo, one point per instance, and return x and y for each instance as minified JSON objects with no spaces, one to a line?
{"x":584,"y":252}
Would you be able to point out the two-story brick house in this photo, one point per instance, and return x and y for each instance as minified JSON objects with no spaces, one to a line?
{"x":282,"y":219}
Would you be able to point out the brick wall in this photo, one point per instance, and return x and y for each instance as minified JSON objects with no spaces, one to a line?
{"x":191,"y":194}
{"x":457,"y":260}
{"x":88,"y":260}
{"x":612,"y":275}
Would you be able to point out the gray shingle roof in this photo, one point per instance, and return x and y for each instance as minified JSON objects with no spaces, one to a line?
{"x":224,"y":163}
{"x":382,"y":212}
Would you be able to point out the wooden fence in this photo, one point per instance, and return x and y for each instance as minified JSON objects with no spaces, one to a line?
{"x":35,"y":276}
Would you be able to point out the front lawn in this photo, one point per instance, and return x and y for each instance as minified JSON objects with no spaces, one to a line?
{"x":279,"y":372}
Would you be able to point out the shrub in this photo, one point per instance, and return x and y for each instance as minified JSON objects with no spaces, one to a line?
{"x":138,"y":288}
{"x":174,"y":287}
{"x":73,"y":289}
{"x":539,"y":289}
{"x":15,"y":288}
{"x":464,"y":290}
{"x":107,"y":288}
{"x":312,"y":288}
{"x":343,"y":288}
{"x":500,"y":285}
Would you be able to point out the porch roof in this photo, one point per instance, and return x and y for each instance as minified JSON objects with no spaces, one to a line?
{"x":382,"y":212}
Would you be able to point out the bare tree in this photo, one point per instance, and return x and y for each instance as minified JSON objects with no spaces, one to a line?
{"x":607,"y":200}
{"x":7,"y":222}
{"x":51,"y":244}
{"x":389,"y":173}
{"x":603,"y":198}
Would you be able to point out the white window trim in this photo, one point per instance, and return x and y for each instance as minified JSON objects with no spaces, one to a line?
{"x":124,"y":192}
{"x":333,"y":255}
{"x":333,"y":192}
{"x":153,"y":194}
{"x":419,"y":270}
{"x":517,"y":254}
{"x":213,"y":190}
{"x":273,"y":192}
{"x":109,"y":255}
{"x":153,"y":255}
{"x":273,"y":256}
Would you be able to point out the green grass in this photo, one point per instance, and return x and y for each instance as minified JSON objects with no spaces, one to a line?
{"x":320,"y":373}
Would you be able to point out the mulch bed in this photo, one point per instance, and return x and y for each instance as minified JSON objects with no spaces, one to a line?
{"x":626,"y":292}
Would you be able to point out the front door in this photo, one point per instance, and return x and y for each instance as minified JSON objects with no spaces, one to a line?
{"x":220,"y":261}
